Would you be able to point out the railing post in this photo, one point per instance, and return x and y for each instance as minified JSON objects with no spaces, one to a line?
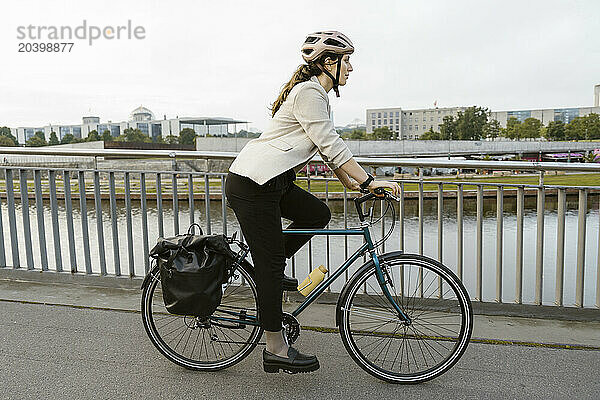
{"x":207,"y":203}
{"x":12,"y":218}
{"x":420,"y":213}
{"x":519,"y":246}
{"x":598,"y":261}
{"x":2,"y":248}
{"x":129,"y":230}
{"x":25,"y":214}
{"x":55,"y":224}
{"x":113,"y":222}
{"x":479,"y":259}
{"x":560,"y":247}
{"x":99,"y":226}
{"x":499,"y":241}
{"x":459,"y":233}
{"x":144,"y":221}
{"x":159,"y":205}
{"x":582,"y":213}
{"x":84,"y":222}
{"x":69,"y":214}
{"x":539,"y":253}
{"x":175,"y":203}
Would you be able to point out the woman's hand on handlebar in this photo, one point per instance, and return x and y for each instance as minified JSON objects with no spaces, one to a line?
{"x":392,"y":186}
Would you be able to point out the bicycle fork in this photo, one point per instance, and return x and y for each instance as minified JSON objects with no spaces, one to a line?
{"x":384,"y":279}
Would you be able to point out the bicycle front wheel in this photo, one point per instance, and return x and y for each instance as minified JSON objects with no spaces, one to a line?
{"x":379,"y":341}
{"x":207,"y":344}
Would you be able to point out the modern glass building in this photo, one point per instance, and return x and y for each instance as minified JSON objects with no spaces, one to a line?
{"x":545,"y":115}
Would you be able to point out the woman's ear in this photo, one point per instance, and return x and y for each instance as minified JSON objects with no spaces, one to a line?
{"x":328,"y":63}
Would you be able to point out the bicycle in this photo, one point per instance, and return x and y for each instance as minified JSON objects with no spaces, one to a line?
{"x":411,"y":322}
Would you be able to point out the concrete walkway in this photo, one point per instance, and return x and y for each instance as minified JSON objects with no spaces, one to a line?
{"x":57,"y":352}
{"x":318,"y":317}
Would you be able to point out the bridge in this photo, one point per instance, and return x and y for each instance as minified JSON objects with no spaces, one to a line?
{"x":74,"y":341}
{"x":74,"y":243}
{"x":427,"y":148}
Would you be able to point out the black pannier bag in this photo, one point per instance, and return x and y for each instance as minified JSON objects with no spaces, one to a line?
{"x":192,"y":270}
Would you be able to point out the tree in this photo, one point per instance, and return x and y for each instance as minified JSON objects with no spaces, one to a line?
{"x":133,"y":136}
{"x":492,"y":129}
{"x":172,"y":139}
{"x":430,"y":135}
{"x":5,"y":131}
{"x":53,"y":139}
{"x":530,"y":128}
{"x":187,"y":136}
{"x":68,"y":138}
{"x":555,"y":130}
{"x":106,"y":136}
{"x":448,"y":128}
{"x":470,"y":123}
{"x":592,"y":122}
{"x":93,"y":136}
{"x":158,"y":139}
{"x":512,"y":128}
{"x":356,"y":134}
{"x":36,"y":141}
{"x":5,"y":141}
{"x":576,"y":129}
{"x":383,"y":133}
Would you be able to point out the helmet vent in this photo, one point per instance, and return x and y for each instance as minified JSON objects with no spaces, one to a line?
{"x":311,"y":39}
{"x":333,"y":42}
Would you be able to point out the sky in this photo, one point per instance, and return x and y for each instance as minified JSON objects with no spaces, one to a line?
{"x":230,"y":58}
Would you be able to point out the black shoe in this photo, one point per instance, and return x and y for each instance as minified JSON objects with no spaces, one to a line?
{"x":289,"y":283}
{"x":294,"y":363}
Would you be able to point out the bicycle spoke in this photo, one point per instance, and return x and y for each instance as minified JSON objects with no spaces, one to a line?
{"x":203,"y":343}
{"x":410,"y":351}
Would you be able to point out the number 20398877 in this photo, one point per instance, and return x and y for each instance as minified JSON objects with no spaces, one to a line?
{"x":26,"y":47}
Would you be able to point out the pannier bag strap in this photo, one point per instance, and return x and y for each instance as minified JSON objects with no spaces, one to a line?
{"x":191,"y":229}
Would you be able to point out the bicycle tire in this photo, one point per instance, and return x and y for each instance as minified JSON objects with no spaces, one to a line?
{"x":235,"y":296}
{"x":435,"y":319}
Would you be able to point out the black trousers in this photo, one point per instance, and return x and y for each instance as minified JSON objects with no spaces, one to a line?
{"x":259,"y":209}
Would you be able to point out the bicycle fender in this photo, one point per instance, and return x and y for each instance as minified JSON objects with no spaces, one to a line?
{"x":147,"y":277}
{"x":369,"y":264}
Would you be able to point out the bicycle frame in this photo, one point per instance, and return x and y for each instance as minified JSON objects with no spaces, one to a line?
{"x":367,"y":246}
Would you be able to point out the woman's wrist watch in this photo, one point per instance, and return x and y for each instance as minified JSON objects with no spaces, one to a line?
{"x":366,"y":183}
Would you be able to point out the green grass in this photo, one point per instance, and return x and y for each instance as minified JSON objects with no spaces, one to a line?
{"x":561,"y":180}
{"x":581,"y":179}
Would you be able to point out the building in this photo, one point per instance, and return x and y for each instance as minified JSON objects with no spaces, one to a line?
{"x":409,"y":124}
{"x":544,"y":115}
{"x":140,"y":118}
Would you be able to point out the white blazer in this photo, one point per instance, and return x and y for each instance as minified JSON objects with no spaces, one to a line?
{"x":301,"y":127}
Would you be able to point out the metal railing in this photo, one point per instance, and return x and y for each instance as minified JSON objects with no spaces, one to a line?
{"x":66,"y":199}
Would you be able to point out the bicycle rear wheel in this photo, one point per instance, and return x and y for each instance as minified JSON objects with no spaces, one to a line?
{"x":204,"y":343}
{"x":390,"y":349}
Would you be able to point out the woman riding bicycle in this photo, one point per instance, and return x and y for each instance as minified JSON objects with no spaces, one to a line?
{"x":260,"y":189}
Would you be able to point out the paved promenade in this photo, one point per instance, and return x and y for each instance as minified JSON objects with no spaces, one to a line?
{"x":90,"y":343}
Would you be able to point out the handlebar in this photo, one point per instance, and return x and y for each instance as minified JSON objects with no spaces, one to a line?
{"x":379,"y":193}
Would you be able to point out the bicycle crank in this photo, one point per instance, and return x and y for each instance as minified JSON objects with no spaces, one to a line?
{"x":291,"y":327}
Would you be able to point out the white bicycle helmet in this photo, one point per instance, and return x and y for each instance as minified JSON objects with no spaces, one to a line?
{"x":318,"y":43}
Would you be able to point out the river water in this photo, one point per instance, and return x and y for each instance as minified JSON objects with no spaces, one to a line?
{"x":337,"y":243}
